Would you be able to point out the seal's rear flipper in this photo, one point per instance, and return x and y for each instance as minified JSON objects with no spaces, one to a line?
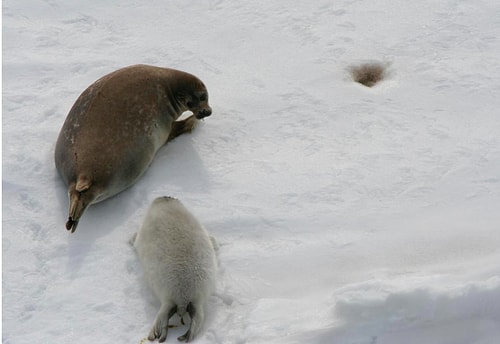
{"x":197,"y":318}
{"x":81,"y":195}
{"x":71,"y":224}
{"x":160,"y":327}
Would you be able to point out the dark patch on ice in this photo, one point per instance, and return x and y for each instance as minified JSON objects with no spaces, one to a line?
{"x":368,"y":74}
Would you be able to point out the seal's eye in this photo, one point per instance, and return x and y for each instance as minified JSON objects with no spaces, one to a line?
{"x":203,"y":97}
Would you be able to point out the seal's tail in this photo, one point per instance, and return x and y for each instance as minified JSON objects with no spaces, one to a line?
{"x":80,"y":197}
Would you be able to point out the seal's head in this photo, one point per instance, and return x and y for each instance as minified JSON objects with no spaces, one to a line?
{"x":194,"y":97}
{"x":199,"y":105}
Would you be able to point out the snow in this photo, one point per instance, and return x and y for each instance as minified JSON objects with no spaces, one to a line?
{"x":344,"y":214}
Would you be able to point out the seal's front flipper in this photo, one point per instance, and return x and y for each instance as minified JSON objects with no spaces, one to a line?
{"x":132,"y":239}
{"x":183,"y":126}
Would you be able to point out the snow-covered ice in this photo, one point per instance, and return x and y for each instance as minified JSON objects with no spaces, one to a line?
{"x":344,"y":214}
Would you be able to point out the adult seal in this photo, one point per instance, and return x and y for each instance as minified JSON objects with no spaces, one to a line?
{"x":117,"y":125}
{"x":179,"y":262}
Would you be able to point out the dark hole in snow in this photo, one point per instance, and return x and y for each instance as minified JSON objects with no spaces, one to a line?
{"x":368,"y":74}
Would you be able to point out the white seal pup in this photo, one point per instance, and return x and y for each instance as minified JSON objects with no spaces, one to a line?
{"x":179,"y":262}
{"x":117,"y":125}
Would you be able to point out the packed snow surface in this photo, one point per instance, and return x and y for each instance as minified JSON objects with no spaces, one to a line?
{"x":343,"y":213}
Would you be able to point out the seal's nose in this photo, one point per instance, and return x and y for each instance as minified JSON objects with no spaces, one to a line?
{"x":204,"y":113}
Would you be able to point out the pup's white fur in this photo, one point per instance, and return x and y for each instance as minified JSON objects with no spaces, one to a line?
{"x":179,"y":262}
